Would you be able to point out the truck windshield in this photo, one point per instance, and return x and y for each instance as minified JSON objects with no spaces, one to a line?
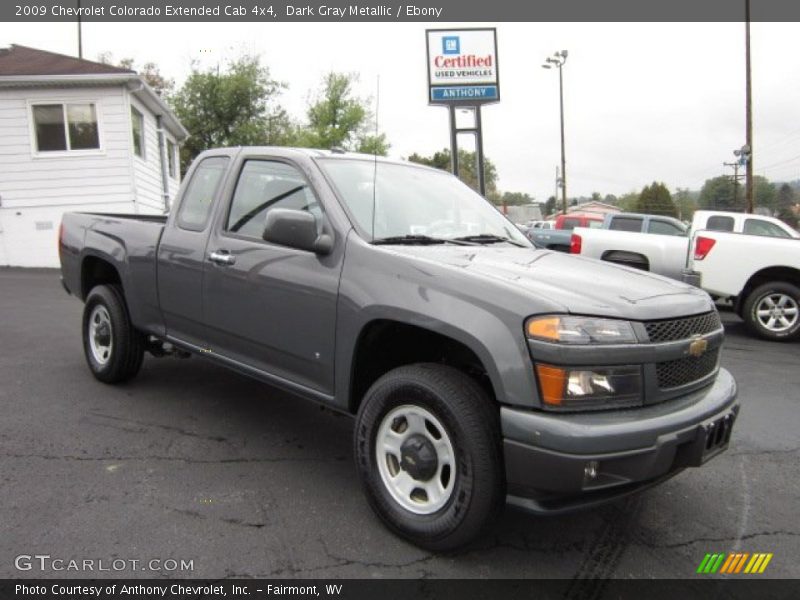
{"x":416,"y":203}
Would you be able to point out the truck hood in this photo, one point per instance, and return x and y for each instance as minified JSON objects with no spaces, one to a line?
{"x":575,"y":284}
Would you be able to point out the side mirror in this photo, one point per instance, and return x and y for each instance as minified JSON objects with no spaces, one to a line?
{"x":296,"y":229}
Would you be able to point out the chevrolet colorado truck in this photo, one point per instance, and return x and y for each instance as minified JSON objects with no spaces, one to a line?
{"x":479,"y":370}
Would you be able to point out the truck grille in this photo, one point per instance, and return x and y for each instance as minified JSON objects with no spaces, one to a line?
{"x":670,"y":330}
{"x":675,"y":373}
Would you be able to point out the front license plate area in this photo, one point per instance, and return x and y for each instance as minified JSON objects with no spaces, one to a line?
{"x":713,"y":437}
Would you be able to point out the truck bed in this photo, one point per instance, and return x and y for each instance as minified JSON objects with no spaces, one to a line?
{"x":129,"y":242}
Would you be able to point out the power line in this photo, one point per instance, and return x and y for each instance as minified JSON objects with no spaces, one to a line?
{"x":780,"y":162}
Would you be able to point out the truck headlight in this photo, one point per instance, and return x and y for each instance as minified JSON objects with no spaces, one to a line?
{"x":565,"y":329}
{"x":586,"y":388}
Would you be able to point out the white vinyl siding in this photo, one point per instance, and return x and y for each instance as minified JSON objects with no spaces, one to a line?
{"x":28,"y":178}
{"x":147,"y":170}
{"x":36,"y":188}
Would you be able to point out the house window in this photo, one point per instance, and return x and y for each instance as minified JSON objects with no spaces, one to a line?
{"x":137,"y":128}
{"x":65,"y":127}
{"x":172,"y":163}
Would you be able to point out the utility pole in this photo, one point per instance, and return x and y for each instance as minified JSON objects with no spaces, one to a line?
{"x":559,"y":59}
{"x":749,"y":113}
{"x":736,"y":177}
{"x":558,"y":186}
{"x":80,"y":32}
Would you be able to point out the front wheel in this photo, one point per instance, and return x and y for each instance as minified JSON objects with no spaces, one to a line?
{"x":772,"y":311}
{"x":114,"y":350}
{"x":427,"y":448}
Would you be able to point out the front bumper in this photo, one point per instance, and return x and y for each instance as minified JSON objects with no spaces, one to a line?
{"x":547,"y":455}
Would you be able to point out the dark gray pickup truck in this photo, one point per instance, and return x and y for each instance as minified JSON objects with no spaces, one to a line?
{"x":480,"y":369}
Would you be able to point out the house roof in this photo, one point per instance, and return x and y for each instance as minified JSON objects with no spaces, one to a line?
{"x":22,"y":60}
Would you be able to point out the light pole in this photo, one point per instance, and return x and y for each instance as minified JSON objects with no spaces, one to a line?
{"x":558,"y":59}
{"x":748,"y":184}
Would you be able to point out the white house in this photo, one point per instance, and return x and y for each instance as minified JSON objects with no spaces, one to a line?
{"x":77,"y":135}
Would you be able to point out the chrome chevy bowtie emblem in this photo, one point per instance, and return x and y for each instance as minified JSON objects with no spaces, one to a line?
{"x":698,"y":347}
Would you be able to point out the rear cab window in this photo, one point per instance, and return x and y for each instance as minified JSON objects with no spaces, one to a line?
{"x":765,"y":228}
{"x":659,"y":227}
{"x":633,"y":224}
{"x":201,"y":190}
{"x":720,"y":223}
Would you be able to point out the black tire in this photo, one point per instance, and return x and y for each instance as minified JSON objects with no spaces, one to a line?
{"x":757,"y":299}
{"x":126,"y":347}
{"x":471,"y":422}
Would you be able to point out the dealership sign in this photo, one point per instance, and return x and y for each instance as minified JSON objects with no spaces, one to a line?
{"x":462,"y":66}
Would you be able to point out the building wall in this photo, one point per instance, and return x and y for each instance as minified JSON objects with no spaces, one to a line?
{"x":147,"y":169}
{"x":35,"y":190}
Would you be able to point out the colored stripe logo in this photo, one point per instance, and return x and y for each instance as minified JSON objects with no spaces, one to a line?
{"x":735,"y":562}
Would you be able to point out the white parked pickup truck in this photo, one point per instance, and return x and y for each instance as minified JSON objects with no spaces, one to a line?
{"x":761,"y":276}
{"x":664,"y":250}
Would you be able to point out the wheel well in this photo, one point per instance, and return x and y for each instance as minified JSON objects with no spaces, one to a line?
{"x":96,"y":271}
{"x":787,"y":274}
{"x":629,"y":259}
{"x":385,"y":345}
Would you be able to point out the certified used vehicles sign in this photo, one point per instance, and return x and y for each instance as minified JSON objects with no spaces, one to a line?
{"x":462,"y":66}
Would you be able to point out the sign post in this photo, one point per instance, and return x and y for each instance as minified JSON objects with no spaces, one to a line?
{"x":463,"y":73}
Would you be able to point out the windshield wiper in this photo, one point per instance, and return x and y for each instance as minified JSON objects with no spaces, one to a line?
{"x":418,"y":239}
{"x":488,"y":238}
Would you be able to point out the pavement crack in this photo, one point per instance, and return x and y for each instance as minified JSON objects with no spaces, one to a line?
{"x":184,"y":459}
{"x":765,"y":452}
{"x":705,"y":540}
{"x":179,"y":430}
{"x":230,"y":521}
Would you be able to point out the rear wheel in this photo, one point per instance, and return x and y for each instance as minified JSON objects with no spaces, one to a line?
{"x":114,"y":350}
{"x":772,"y":311}
{"x":427,"y":448}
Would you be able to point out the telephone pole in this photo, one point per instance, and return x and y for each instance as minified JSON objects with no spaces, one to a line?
{"x":749,"y":113}
{"x":736,"y":177}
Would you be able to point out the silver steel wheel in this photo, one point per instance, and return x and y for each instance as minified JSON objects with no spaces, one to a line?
{"x":100,"y":335}
{"x":777,"y":312}
{"x":415,"y":459}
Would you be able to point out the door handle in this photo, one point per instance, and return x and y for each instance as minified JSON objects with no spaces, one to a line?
{"x":222,"y":257}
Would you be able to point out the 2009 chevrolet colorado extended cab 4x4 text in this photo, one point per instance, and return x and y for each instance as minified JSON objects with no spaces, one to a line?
{"x":479,"y":369}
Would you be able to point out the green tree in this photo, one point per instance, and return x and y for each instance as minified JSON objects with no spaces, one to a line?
{"x":237,"y":106}
{"x":337,"y":118}
{"x":718,"y":194}
{"x":516,"y":198}
{"x":550,"y":206}
{"x":655,"y":199}
{"x":685,"y":203}
{"x":765,"y":193}
{"x":467,"y":170}
{"x":722,"y":193}
{"x":627,"y":202}
{"x":150,"y":72}
{"x":786,"y":199}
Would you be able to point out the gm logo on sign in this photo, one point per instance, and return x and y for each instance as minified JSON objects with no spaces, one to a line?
{"x":451,"y":45}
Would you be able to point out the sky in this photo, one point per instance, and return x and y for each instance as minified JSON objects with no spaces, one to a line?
{"x":643,"y":101}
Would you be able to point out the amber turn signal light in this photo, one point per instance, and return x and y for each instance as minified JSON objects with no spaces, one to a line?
{"x":552,"y":382}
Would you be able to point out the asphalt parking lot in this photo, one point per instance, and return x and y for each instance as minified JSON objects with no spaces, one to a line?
{"x":190,"y":461}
